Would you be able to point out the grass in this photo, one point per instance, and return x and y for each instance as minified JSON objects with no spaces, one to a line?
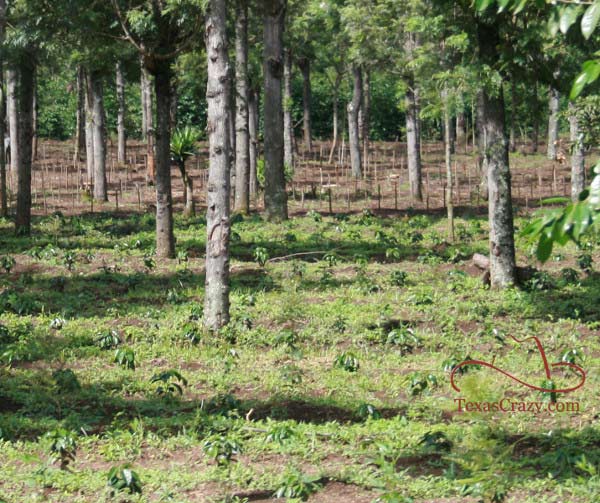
{"x":330,"y":384}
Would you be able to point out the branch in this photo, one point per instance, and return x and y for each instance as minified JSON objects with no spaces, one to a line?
{"x":126,"y":30}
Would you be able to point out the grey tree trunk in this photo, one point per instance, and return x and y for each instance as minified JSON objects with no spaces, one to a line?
{"x":366,"y":113}
{"x":24,"y":136}
{"x":304,"y":65}
{"x":554,"y":108}
{"x":536,"y":121}
{"x":502,"y":243}
{"x":577,"y":155}
{"x":413,"y":144}
{"x":148,"y":128}
{"x":143,"y":96}
{"x":216,"y":298}
{"x":165,"y":239}
{"x":448,"y":162}
{"x":353,"y":109}
{"x":121,"y":134}
{"x":174,"y":104}
{"x":288,"y":127}
{"x":3,"y":187}
{"x":513,"y":115}
{"x":34,"y":122}
{"x":231,"y":110}
{"x":242,"y":142}
{"x":89,"y":131}
{"x":336,"y":121}
{"x":482,"y":146}
{"x":11,"y":106}
{"x":98,"y":136}
{"x":254,"y":147}
{"x":80,"y":121}
{"x":275,"y":185}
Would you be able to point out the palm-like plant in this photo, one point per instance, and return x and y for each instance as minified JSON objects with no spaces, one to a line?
{"x":183,"y":146}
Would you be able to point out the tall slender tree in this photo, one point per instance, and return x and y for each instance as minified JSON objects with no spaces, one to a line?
{"x":353,"y":109}
{"x":216,"y":299}
{"x":275,"y":184}
{"x":121,"y":111}
{"x":242,"y":143}
{"x":554,"y":109}
{"x":288,"y":126}
{"x":3,"y":186}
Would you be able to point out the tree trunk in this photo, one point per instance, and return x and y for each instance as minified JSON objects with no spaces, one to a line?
{"x":554,"y":108}
{"x":174,"y":104}
{"x":98,"y":136}
{"x":80,"y":121}
{"x":34,"y":123}
{"x":24,"y":136}
{"x":189,"y":208}
{"x":121,"y":135}
{"x":577,"y":155}
{"x":502,"y":244}
{"x":482,"y":146}
{"x":148,"y":130}
{"x":242,"y":141}
{"x":3,"y":187}
{"x":165,"y":239}
{"x":304,"y":65}
{"x":89,"y":132}
{"x":336,"y":100}
{"x":275,"y":185}
{"x":536,"y":120}
{"x":513,"y":115}
{"x":253,"y":147}
{"x":353,"y":126}
{"x":366,"y":113}
{"x":448,"y":162}
{"x":216,"y":299}
{"x":143,"y":96}
{"x":413,"y":143}
{"x":11,"y":106}
{"x":288,"y":126}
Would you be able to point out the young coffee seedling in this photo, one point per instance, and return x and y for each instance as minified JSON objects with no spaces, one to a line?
{"x":368,"y":411}
{"x":63,"y":446}
{"x":347,"y":361}
{"x":7,"y":263}
{"x":123,"y":478}
{"x":108,"y":339}
{"x":261,"y":255}
{"x":296,"y":484}
{"x":126,"y":358}
{"x":69,"y":260}
{"x":170,"y":382}
{"x":222,"y":449}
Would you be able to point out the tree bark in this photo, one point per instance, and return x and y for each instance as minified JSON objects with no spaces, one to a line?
{"x":366,"y":113}
{"x":513,"y":115}
{"x":482,"y":146}
{"x":80,"y":121}
{"x":34,"y":122}
{"x":502,"y":244}
{"x":275,"y":185}
{"x":536,"y":120}
{"x":353,"y":126}
{"x":554,"y":108}
{"x":460,"y":130}
{"x":148,"y":127}
{"x":448,"y":162}
{"x":189,"y":207}
{"x":288,"y":126}
{"x":165,"y":239}
{"x":254,"y":146}
{"x":336,"y":101}
{"x":24,"y":136}
{"x":11,"y":106}
{"x":216,"y":299}
{"x":577,"y":155}
{"x":121,"y":111}
{"x":304,"y":65}
{"x":242,"y":142}
{"x":174,"y":104}
{"x":413,"y":143}
{"x":3,"y":186}
{"x":98,"y":136}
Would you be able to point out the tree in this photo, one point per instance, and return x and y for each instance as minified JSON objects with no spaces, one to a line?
{"x":97,"y":121}
{"x":216,"y":300}
{"x":288,"y":121}
{"x":160,"y":31}
{"x":242,"y":142}
{"x":275,"y":185}
{"x":554,"y":109}
{"x":3,"y":187}
{"x":121,"y":132}
{"x":353,"y":126}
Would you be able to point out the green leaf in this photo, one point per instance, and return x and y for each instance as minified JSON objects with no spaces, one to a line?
{"x":590,"y":19}
{"x":482,"y":5}
{"x":544,"y":249}
{"x":568,"y":17}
